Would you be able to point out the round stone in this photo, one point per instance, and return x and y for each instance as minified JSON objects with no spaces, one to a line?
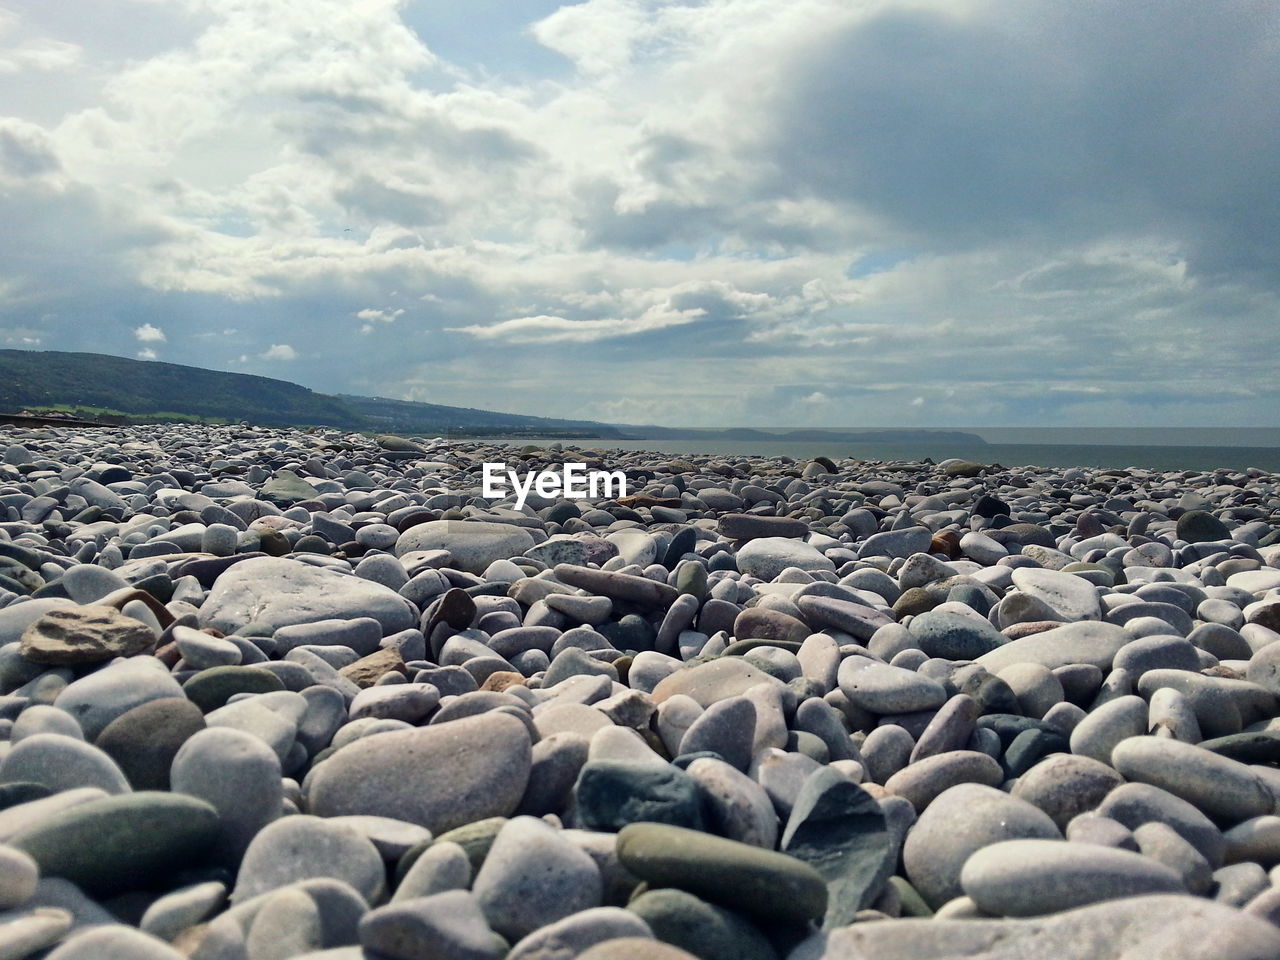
{"x":439,"y":777}
{"x":736,"y":875}
{"x":1025,"y":878}
{"x":143,"y":741}
{"x":298,"y":848}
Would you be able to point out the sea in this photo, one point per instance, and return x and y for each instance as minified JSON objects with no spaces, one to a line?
{"x":1202,"y":449}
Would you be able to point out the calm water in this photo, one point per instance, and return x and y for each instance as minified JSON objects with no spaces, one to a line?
{"x":1155,"y":457}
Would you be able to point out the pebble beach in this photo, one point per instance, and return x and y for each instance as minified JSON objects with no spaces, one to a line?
{"x":308,"y":695}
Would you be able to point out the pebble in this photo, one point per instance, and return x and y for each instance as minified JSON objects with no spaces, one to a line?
{"x":1024,"y":878}
{"x":439,"y":777}
{"x":736,"y":875}
{"x":801,"y":660}
{"x":533,"y":876}
{"x":68,"y":636}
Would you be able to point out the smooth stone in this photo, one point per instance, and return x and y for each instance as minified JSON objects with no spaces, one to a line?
{"x":439,"y":777}
{"x":1219,"y":786}
{"x":883,"y":689}
{"x":445,"y":926}
{"x":277,"y":592}
{"x":200,"y":650}
{"x":100,"y":697}
{"x":287,"y":925}
{"x":1163,"y":844}
{"x":766,"y":557}
{"x":473,"y":544}
{"x":896,"y":543}
{"x":1104,"y":728}
{"x":114,"y":942}
{"x":858,"y":620}
{"x":610,"y":794}
{"x":922,"y":782}
{"x":962,"y":820}
{"x":572,"y":936}
{"x":533,"y":876}
{"x":301,"y":847}
{"x":684,"y":922}
{"x":443,"y":866}
{"x":239,"y":776}
{"x":641,"y":591}
{"x":19,"y":875}
{"x":1064,"y":786}
{"x":1134,"y":804}
{"x":1159,"y":927}
{"x":1092,"y":642}
{"x":174,"y":912}
{"x":61,"y":763}
{"x":954,"y":637}
{"x":29,"y":933}
{"x":839,"y":829}
{"x":121,"y":843}
{"x":734,"y":805}
{"x":211,"y":689}
{"x":728,"y":728}
{"x":1024,"y":878}
{"x":69,"y":636}
{"x":707,"y":683}
{"x":1070,"y":597}
{"x":759,"y":882}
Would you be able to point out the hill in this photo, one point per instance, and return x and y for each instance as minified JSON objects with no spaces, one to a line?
{"x":151,"y":390}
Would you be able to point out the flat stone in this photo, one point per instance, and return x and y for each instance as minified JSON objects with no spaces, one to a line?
{"x":303,"y":847}
{"x":641,"y":591}
{"x":439,"y":777}
{"x":1072,"y":598}
{"x":883,"y":689}
{"x":1219,"y":786}
{"x":610,"y":794}
{"x":710,"y":682}
{"x":1064,"y":786}
{"x":856,"y":619}
{"x":923,"y":781}
{"x":747,"y":526}
{"x":121,"y":843}
{"x":143,"y":741}
{"x":445,"y":926}
{"x":767,"y":557}
{"x":100,"y":697}
{"x":473,"y":544}
{"x":67,"y":636}
{"x":278,"y":592}
{"x":1025,"y":878}
{"x":19,"y":875}
{"x":960,"y":821}
{"x":61,"y":763}
{"x":572,"y":936}
{"x":1159,"y":927}
{"x":1090,"y":642}
{"x":114,"y":942}
{"x":684,"y":922}
{"x":737,"y":875}
{"x":1134,"y":804}
{"x":953,"y":636}
{"x":211,"y":689}
{"x":533,"y":876}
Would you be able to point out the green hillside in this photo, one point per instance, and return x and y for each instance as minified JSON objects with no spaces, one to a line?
{"x":152,"y":390}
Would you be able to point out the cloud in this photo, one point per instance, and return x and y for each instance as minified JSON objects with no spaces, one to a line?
{"x":147,"y":354}
{"x":149,"y":334}
{"x":731,"y":212}
{"x":280,"y":351}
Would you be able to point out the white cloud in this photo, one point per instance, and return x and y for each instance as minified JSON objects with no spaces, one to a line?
{"x":280,"y":351}
{"x":146,"y":353}
{"x":148,"y":333}
{"x":775,"y":211}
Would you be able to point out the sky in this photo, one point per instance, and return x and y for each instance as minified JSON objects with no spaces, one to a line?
{"x":835,"y":213}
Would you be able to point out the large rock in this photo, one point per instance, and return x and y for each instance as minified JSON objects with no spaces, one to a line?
{"x":279,"y":592}
{"x":440,"y":777}
{"x":1160,"y":927}
{"x":473,"y":544}
{"x":67,"y":636}
{"x":1070,"y":597}
{"x":1090,"y":641}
